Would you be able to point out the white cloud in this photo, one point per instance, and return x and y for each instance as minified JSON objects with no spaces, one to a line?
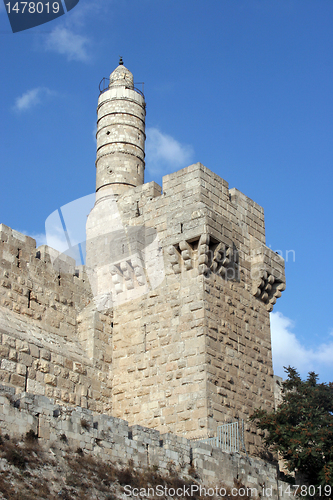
{"x":54,"y":240}
{"x":40,"y":239}
{"x":31,"y":98}
{"x":288,"y":350}
{"x":70,"y":38}
{"x":64,"y":41}
{"x":164,"y":153}
{"x":87,"y":8}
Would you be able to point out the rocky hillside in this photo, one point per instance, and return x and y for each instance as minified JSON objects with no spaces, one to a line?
{"x":28,"y":472}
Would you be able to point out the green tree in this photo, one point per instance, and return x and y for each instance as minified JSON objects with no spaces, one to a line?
{"x":301,"y":429}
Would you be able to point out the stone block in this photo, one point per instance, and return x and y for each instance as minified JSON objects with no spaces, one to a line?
{"x":25,"y":359}
{"x":74,"y":377}
{"x":22,"y":346}
{"x":4,"y":376}
{"x":21,"y":369}
{"x":79,"y":368}
{"x":4,"y":351}
{"x":44,"y":366}
{"x":57,"y":359}
{"x":12,"y":355}
{"x":9,"y":366}
{"x":50,"y":379}
{"x":17,"y":380}
{"x":34,"y":350}
{"x":8,"y":341}
{"x":45,"y":354}
{"x":68,"y":363}
{"x":35,"y":387}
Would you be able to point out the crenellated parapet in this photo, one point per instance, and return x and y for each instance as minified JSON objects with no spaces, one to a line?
{"x":41,"y":283}
{"x":52,"y":341}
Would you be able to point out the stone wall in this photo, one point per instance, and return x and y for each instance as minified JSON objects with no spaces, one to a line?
{"x":40,"y":284}
{"x":52,"y":342}
{"x":110,"y":438}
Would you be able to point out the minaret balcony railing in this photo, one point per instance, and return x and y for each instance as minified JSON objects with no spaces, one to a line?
{"x":105,"y":82}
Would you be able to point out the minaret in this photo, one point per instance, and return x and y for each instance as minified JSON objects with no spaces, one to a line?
{"x":119,"y":166}
{"x":120,"y":134}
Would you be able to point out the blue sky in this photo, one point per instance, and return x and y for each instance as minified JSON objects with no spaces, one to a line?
{"x":243,"y":86}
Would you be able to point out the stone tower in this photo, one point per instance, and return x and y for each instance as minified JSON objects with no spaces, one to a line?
{"x":120,"y":134}
{"x":192,"y":291}
{"x":167,"y":325}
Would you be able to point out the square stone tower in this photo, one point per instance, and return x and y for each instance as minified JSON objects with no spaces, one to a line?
{"x":188,"y":277}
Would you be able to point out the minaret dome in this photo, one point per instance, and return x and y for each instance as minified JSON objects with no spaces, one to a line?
{"x":120,"y":77}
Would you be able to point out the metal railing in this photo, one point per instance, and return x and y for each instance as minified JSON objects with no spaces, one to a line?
{"x":104,"y":86}
{"x":229,"y":437}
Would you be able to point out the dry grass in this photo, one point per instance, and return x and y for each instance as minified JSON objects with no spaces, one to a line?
{"x":33,"y":474}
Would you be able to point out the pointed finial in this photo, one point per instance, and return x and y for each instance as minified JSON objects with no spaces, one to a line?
{"x":121,"y":62}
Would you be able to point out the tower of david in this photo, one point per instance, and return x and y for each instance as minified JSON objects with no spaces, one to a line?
{"x":166,"y":324}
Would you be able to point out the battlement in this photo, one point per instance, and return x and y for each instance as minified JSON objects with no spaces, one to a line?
{"x":197,"y":202}
{"x":41,"y":283}
{"x":51,"y":342}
